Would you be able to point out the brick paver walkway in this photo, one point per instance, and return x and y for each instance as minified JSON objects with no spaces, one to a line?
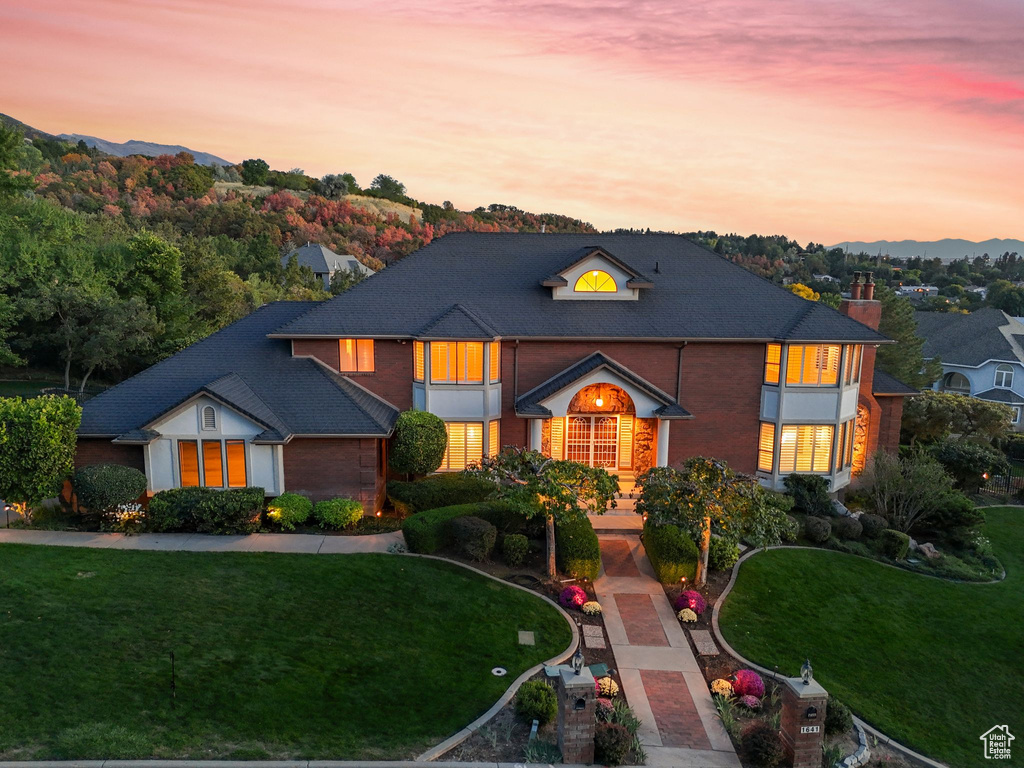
{"x":660,"y":676}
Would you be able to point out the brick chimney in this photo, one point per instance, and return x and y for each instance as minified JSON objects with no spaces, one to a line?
{"x":862,"y":307}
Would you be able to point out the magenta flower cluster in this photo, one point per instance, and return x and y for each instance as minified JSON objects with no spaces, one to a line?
{"x":750,"y":702}
{"x":693,"y":600}
{"x":748,"y":683}
{"x":572,"y":597}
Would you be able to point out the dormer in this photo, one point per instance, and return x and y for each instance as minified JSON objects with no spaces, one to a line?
{"x":594,"y":274}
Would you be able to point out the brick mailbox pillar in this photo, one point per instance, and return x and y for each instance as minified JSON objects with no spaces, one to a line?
{"x":577,"y":716}
{"x":803,"y":721}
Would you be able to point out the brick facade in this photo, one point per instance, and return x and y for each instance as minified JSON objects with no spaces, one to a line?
{"x":100,"y":450}
{"x":326,"y":468}
{"x":392,"y":374}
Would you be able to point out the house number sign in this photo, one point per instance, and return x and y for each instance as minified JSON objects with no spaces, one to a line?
{"x":810,"y":728}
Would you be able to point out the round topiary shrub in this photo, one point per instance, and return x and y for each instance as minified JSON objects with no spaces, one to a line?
{"x":102,"y":487}
{"x":418,"y":444}
{"x":748,"y":683}
{"x":817,"y":529}
{"x":611,"y":743}
{"x":536,"y":700}
{"x":514,"y":548}
{"x":289,"y":510}
{"x":847,"y":528}
{"x":337,"y":513}
{"x":894,"y":544}
{"x":722,"y":554}
{"x":691,"y":599}
{"x":473,"y":536}
{"x":838,"y":718}
{"x":572,"y":597}
{"x":761,"y":745}
{"x":873,"y":525}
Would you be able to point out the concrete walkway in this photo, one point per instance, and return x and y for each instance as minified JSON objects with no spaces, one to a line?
{"x":298,"y":543}
{"x":660,"y":676}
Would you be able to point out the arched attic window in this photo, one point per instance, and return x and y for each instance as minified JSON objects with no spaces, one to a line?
{"x":595,"y":281}
{"x":209,"y":418}
{"x":956,"y":382}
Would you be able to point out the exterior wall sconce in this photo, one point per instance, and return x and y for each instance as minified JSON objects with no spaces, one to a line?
{"x":807,"y":672}
{"x":599,"y":402}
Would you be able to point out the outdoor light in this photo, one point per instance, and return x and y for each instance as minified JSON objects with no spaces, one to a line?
{"x":577,"y":659}
{"x":599,"y":402}
{"x":806,"y":672}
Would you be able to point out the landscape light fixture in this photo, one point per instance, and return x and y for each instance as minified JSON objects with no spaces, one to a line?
{"x":806,"y":672}
{"x":577,"y":659}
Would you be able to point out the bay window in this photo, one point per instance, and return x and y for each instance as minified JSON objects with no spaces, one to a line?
{"x":851,"y":369}
{"x":805,"y":448}
{"x":493,"y":443}
{"x":457,"y":362}
{"x":844,"y":445}
{"x":772,"y":363}
{"x":766,"y":447}
{"x":495,"y":362}
{"x":417,"y":361}
{"x":813,"y":365}
{"x":465,"y":445}
{"x":355,"y":355}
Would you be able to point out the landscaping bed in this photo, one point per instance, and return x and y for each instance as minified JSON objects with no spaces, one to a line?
{"x":276,"y":656}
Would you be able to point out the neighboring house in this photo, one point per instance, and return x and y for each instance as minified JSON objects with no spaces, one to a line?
{"x":917,"y":292}
{"x":324,"y":262}
{"x":982,"y":355}
{"x":825,"y":278}
{"x":620,"y":351}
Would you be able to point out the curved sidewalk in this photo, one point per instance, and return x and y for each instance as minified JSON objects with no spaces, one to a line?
{"x":295,"y":543}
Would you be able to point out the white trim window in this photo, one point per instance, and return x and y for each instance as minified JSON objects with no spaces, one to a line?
{"x":1016,"y":415}
{"x":465,"y":445}
{"x":1004,"y":376}
{"x":212,"y":464}
{"x":805,"y":448}
{"x":813,"y":365}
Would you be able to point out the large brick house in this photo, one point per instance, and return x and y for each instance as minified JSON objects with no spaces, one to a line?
{"x":623,"y":351}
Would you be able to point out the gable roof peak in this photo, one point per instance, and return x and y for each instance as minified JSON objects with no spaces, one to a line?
{"x":458,"y":322}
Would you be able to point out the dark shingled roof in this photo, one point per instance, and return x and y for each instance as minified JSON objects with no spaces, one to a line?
{"x":1000,"y":395}
{"x":457,"y":322}
{"x":322,"y":259}
{"x":255,"y":375}
{"x":529,"y":403}
{"x":696,"y":294}
{"x":974,"y":339}
{"x":884,"y":384}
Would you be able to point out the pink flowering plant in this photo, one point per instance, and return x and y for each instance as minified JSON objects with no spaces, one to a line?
{"x":572,"y":597}
{"x":750,"y":702}
{"x":748,"y":683}
{"x":693,"y":600}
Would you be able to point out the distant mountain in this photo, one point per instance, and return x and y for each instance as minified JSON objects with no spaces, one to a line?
{"x":136,"y":147}
{"x":947,"y":249}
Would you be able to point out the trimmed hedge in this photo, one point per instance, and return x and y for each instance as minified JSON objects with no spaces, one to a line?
{"x":894,"y":544}
{"x":672,"y":552}
{"x":101,"y":487}
{"x":337,"y":513}
{"x":205,"y":510}
{"x":289,"y":510}
{"x":577,"y":551}
{"x":427,"y":532}
{"x":437,"y":491}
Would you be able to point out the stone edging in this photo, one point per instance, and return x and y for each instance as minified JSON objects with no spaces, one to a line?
{"x":860,"y":724}
{"x":453,"y":741}
{"x":256,"y":764}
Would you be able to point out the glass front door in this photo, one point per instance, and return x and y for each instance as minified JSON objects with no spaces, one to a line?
{"x":593,"y":440}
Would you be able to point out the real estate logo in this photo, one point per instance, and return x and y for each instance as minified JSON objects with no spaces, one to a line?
{"x":997,"y":742}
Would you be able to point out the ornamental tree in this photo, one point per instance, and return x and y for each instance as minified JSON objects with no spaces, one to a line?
{"x":561,"y":491}
{"x":37,"y":447}
{"x":418,"y":444}
{"x":932,"y":416}
{"x":970,"y":463}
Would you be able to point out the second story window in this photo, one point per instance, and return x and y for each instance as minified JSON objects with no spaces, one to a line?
{"x":417,"y":360}
{"x":772,"y":363}
{"x":457,"y":362}
{"x":1004,"y":376}
{"x":813,"y":365}
{"x":851,"y":368}
{"x":495,"y":361}
{"x":356,"y":355}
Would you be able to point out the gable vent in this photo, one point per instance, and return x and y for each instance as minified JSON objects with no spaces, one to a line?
{"x":209,"y":417}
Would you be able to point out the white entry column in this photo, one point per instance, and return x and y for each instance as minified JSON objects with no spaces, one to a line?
{"x":536,"y":434}
{"x":661,"y":456}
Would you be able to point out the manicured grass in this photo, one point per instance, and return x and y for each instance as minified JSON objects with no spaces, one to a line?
{"x":354,"y":656}
{"x":933,"y":664}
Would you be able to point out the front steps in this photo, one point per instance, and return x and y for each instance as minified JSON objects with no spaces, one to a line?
{"x":623,"y":517}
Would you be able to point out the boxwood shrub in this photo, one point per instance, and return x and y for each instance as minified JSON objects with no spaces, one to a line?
{"x":810,"y":494}
{"x":101,"y":487}
{"x":847,"y":528}
{"x":894,"y":544}
{"x":437,"y":491}
{"x":577,"y":551}
{"x":873,"y":525}
{"x":205,"y":510}
{"x":722,"y":554}
{"x":429,"y":531}
{"x":817,"y":529}
{"x":536,"y":700}
{"x":473,"y":536}
{"x":337,"y":513}
{"x":289,"y":510}
{"x":672,"y":553}
{"x":514,"y":548}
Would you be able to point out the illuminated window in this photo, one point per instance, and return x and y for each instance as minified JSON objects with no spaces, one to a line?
{"x":814,"y":365}
{"x":356,"y":355}
{"x":213,"y":464}
{"x":766,"y":447}
{"x":805,"y":448}
{"x":595,"y":281}
{"x":457,"y":362}
{"x":1004,"y":376}
{"x":558,"y":438}
{"x":235,"y":450}
{"x":493,"y":441}
{"x":772,"y":361}
{"x":495,"y":361}
{"x":417,"y":360}
{"x":851,"y":368}
{"x":465,"y":445}
{"x":188,"y":463}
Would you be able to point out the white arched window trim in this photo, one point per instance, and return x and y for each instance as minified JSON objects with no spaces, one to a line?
{"x":1004,"y":376}
{"x":209,"y":418}
{"x":956,"y":382}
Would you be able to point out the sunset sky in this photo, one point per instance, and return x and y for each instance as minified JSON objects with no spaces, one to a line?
{"x":823,"y":120}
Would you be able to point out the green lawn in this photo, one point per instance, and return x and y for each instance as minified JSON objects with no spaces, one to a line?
{"x":354,"y":656}
{"x":933,"y":664}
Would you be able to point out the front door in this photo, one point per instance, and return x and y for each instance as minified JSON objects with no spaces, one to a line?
{"x":593,"y":440}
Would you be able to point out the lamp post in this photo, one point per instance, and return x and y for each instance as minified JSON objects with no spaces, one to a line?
{"x":807,"y":672}
{"x":577,"y":658}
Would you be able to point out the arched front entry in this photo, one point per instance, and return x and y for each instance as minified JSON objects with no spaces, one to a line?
{"x":599,"y":428}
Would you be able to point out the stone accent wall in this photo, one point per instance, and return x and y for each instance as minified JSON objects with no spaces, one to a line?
{"x":644,"y":445}
{"x":613,"y":400}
